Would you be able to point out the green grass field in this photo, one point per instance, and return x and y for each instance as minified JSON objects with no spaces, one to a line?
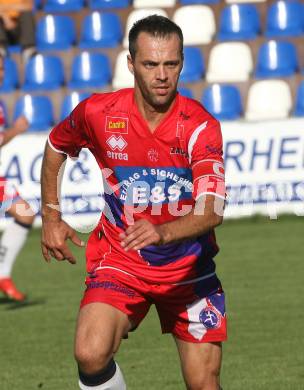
{"x":261,"y":266}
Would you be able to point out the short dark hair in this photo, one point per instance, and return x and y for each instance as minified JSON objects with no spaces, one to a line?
{"x":157,"y":26}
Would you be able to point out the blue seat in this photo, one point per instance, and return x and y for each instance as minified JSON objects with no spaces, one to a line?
{"x":100,"y":30}
{"x":37,"y":109}
{"x":223,"y":101}
{"x":185,"y":92}
{"x":239,"y":22}
{"x":194,"y":65}
{"x":43,"y":72}
{"x":104,"y":4}
{"x":37,"y":5}
{"x":63,"y":5}
{"x":285,"y":18}
{"x":188,"y":2}
{"x":10,"y":79}
{"x":299,"y":104}
{"x":90,"y":70}
{"x":70,"y":101}
{"x":55,"y":32}
{"x":13,"y":49}
{"x":276,"y":59}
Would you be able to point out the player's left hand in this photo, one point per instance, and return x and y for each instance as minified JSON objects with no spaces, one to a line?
{"x":141,"y":234}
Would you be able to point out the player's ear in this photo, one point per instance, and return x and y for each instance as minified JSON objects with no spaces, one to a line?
{"x":130,"y":63}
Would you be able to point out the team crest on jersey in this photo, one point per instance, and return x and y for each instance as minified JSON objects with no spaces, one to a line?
{"x":153,"y":155}
{"x":117,"y":124}
{"x":210,"y":318}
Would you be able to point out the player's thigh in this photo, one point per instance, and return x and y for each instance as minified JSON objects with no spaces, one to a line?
{"x":100,"y":328}
{"x":201,"y":362}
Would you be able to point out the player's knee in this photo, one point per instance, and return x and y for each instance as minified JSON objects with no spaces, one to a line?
{"x":207,"y":379}
{"x":25,"y":219}
{"x":91,"y":359}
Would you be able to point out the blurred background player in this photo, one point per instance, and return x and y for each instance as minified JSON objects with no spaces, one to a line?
{"x":15,"y":234}
{"x":17,"y":26}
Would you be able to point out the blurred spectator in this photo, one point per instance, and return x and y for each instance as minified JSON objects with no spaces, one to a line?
{"x":17,"y":26}
{"x":16,"y":232}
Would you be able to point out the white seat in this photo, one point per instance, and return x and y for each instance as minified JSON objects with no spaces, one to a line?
{"x":268,"y":99}
{"x":229,"y":61}
{"x":122,"y":78}
{"x":137,"y":14}
{"x":197,"y":23}
{"x":153,"y":3}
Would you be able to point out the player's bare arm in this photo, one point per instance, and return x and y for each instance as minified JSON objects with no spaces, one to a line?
{"x":206,"y":215}
{"x":55,"y":232}
{"x":19,"y":126}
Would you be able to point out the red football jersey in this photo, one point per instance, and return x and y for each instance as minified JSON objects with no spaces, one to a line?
{"x":157,"y":176}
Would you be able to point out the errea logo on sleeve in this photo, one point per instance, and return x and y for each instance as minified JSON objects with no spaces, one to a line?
{"x":117,"y":124}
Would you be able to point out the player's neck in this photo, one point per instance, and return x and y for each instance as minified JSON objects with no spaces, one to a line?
{"x":152,"y":115}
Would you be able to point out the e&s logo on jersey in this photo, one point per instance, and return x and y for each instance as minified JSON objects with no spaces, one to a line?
{"x":117,"y":124}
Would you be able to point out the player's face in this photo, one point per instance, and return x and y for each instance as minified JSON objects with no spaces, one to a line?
{"x":156,"y":68}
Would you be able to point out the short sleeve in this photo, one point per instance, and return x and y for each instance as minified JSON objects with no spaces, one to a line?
{"x":205,"y":150}
{"x":72,"y":134}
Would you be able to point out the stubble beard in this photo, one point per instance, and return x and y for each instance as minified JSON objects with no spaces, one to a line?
{"x":160,"y":103}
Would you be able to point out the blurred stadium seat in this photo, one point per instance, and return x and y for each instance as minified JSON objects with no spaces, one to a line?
{"x":239,"y":22}
{"x":153,"y":3}
{"x":122,"y":77}
{"x":237,"y":60}
{"x":223,"y":101}
{"x":37,"y":5}
{"x":11,"y":77}
{"x":194,"y":65}
{"x":268,"y":99}
{"x":89,"y":71}
{"x":12,"y":49}
{"x":137,"y":14}
{"x":63,"y":5}
{"x":100,"y":30}
{"x":103,"y":4}
{"x":285,"y":18}
{"x":185,"y":92}
{"x":299,"y":104}
{"x":55,"y":32}
{"x":186,"y":2}
{"x":70,"y":101}
{"x":197,"y":23}
{"x":38,"y":111}
{"x":276,"y":59}
{"x":43,"y":72}
{"x":245,"y":1}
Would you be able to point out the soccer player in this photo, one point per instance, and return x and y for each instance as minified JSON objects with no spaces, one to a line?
{"x":163,"y":177}
{"x":15,"y":234}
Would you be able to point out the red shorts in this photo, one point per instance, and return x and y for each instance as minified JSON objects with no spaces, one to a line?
{"x":8,"y":194}
{"x":181,"y":309}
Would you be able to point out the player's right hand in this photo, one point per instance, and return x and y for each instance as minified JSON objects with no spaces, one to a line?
{"x":53,"y":241}
{"x":21,"y":124}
